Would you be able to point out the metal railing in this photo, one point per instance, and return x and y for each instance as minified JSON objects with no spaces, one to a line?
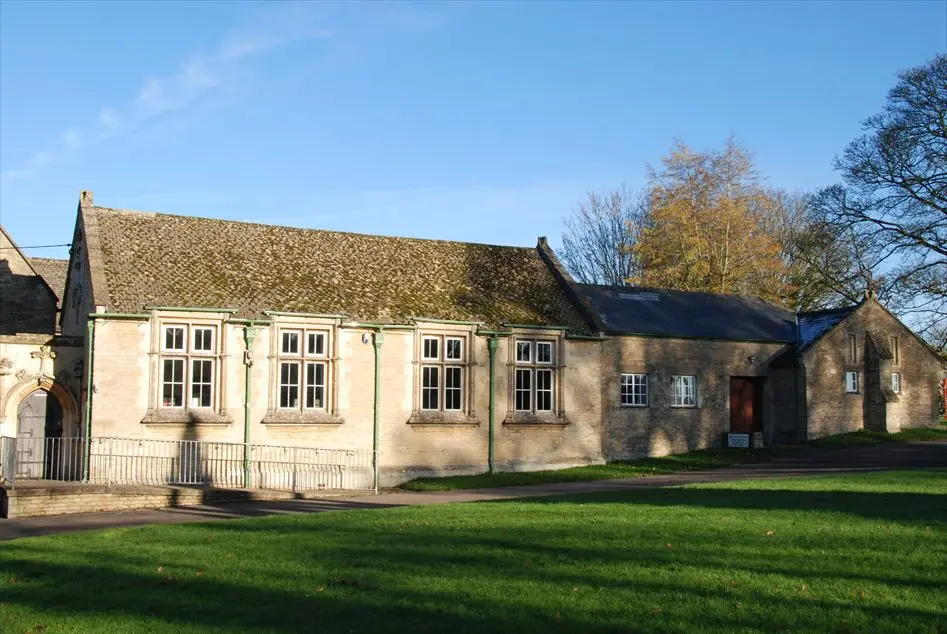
{"x":135,"y":461}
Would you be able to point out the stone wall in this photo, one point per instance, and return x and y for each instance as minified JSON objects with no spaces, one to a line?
{"x":660,"y":429}
{"x":831,"y":410}
{"x":127,"y":385}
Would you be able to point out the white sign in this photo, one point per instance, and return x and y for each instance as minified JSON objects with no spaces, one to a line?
{"x":738,"y":440}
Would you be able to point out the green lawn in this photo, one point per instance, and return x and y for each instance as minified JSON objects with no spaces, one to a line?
{"x":695,"y":461}
{"x":861,"y":553}
{"x":865,"y":437}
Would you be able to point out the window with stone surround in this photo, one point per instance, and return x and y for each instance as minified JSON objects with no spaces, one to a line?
{"x":443,"y":373}
{"x":303,"y":369}
{"x":684,"y":391}
{"x":851,"y":382}
{"x":896,"y":382}
{"x":534,"y":375}
{"x":188,"y":364}
{"x":634,"y":390}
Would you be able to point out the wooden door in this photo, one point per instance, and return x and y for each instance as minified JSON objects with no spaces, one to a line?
{"x":745,"y":405}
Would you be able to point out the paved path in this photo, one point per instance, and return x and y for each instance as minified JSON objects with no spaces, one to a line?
{"x":802,"y":462}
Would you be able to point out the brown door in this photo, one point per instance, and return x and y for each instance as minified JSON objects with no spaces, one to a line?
{"x":745,"y":405}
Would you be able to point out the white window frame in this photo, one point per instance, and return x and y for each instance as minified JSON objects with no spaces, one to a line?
{"x":852,"y":386}
{"x":633,"y":390}
{"x":687,"y":393}
{"x":435,"y":359}
{"x":529,"y":364}
{"x":896,"y":382}
{"x":303,"y":358}
{"x":188,"y":354}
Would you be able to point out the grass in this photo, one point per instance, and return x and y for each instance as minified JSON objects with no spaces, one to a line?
{"x":852,"y":553}
{"x":695,"y":461}
{"x":865,"y":437}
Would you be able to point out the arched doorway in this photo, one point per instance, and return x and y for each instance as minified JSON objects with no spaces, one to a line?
{"x":40,"y":449}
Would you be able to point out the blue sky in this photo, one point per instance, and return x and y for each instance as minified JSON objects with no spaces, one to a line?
{"x":470,"y":121}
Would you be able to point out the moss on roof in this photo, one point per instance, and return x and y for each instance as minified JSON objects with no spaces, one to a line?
{"x":155,"y":259}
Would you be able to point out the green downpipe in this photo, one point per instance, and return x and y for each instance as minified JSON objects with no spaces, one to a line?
{"x":249,"y":334}
{"x":377,"y":341}
{"x":492,"y":348}
{"x":90,"y":325}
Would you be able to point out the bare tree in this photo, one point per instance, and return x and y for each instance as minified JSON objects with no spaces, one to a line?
{"x":895,"y":194}
{"x":599,"y":236}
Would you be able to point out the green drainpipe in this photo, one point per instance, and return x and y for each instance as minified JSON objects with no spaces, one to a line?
{"x":249,"y":334}
{"x":377,"y":340}
{"x":90,"y":326}
{"x":492,"y":348}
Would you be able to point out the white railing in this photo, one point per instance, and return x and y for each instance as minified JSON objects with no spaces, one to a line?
{"x":184,"y":462}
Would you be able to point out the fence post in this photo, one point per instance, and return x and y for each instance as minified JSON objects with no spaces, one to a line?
{"x":294,"y":469}
{"x":108,"y":467}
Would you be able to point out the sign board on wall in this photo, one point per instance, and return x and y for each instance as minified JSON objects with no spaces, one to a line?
{"x":738,"y":440}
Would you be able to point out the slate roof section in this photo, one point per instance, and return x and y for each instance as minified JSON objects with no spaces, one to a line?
{"x":143,"y":259}
{"x":815,"y":324}
{"x":658,"y":312}
{"x":54,"y":272}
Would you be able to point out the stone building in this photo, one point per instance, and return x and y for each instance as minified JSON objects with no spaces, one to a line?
{"x":443,"y":355}
{"x":40,"y":370}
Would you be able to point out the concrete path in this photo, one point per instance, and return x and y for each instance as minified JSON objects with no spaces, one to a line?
{"x":802,"y":462}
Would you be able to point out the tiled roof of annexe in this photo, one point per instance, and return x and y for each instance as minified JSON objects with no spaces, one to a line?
{"x":54,"y":272}
{"x":156,"y":259}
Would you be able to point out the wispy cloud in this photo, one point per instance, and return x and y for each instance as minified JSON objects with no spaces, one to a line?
{"x":197,"y":77}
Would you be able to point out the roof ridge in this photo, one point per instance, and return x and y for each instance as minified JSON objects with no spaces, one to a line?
{"x":152,"y":214}
{"x":828,"y":311}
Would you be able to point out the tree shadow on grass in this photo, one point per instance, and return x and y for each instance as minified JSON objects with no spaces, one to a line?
{"x":900,"y":507}
{"x":354,"y":602}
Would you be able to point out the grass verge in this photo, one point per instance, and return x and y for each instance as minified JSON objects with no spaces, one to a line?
{"x":851,"y":553}
{"x":865,"y":437}
{"x":695,"y":461}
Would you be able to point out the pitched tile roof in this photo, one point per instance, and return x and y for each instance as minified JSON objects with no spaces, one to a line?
{"x":143,"y":259}
{"x":815,"y":324}
{"x":27,"y":305}
{"x":647,"y":311}
{"x":54,"y":272}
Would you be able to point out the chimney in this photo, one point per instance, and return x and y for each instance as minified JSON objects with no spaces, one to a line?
{"x":85,"y":198}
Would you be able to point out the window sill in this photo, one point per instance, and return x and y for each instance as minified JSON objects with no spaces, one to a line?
{"x":684,"y":407}
{"x":296,"y":417}
{"x":450,"y":419}
{"x":531,"y":419}
{"x":645,"y":406}
{"x":163,"y":416}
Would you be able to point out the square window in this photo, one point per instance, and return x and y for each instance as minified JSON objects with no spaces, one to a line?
{"x":203,"y":339}
{"x":431,"y":350}
{"x":524,"y":390}
{"x":453,"y":388}
{"x":851,"y":382}
{"x":172,"y":383}
{"x":685,"y":391}
{"x":543,"y":390}
{"x":315,"y":385}
{"x":430,"y":387}
{"x":454,"y":349}
{"x":896,"y":383}
{"x":289,"y":342}
{"x":315,"y":344}
{"x":174,"y":338}
{"x":524,"y":351}
{"x":202,"y":381}
{"x":634,"y":390}
{"x":543,"y":352}
{"x":289,"y":385}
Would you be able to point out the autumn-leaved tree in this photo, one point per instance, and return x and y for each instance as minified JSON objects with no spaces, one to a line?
{"x":709,"y":227}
